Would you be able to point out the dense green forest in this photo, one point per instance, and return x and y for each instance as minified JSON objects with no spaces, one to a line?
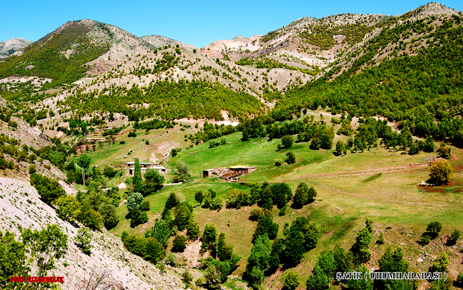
{"x":45,"y":57}
{"x":270,"y":63}
{"x":415,"y":90}
{"x":323,"y":35}
{"x":168,"y":100}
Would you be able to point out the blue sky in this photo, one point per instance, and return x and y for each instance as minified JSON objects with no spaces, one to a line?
{"x":194,"y":22}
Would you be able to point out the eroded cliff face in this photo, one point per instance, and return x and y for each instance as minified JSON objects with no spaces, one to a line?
{"x":21,"y":207}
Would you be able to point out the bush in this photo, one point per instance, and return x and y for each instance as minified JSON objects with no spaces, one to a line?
{"x":460,"y":279}
{"x":32,"y":169}
{"x":179,"y":244}
{"x":290,"y":158}
{"x":132,"y":134}
{"x":454,"y":237}
{"x":425,"y":239}
{"x":143,"y":218}
{"x":380,"y":240}
{"x":433,"y":229}
{"x":277,"y":163}
{"x":83,"y":240}
{"x":193,"y":230}
{"x":292,"y":280}
{"x":187,"y":278}
{"x":121,"y":142}
{"x":145,"y":205}
{"x":255,"y":214}
{"x":170,"y":260}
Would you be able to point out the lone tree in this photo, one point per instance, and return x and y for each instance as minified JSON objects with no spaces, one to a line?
{"x":440,"y":172}
{"x":287,"y":141}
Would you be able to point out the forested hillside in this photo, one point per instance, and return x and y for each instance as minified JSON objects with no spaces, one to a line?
{"x":59,"y":55}
{"x":417,"y":83}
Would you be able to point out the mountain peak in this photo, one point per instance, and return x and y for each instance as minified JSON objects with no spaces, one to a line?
{"x":12,"y":45}
{"x":432,"y":8}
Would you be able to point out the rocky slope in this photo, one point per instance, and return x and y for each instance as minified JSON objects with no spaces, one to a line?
{"x":21,"y":207}
{"x":159,"y":41}
{"x":10,"y":46}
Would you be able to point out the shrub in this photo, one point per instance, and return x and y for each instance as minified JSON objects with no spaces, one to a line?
{"x":292,"y":280}
{"x":121,"y":142}
{"x":179,"y":244}
{"x":187,"y":278}
{"x":456,"y":235}
{"x":83,"y":240}
{"x":255,"y":214}
{"x":287,"y":141}
{"x":132,"y":134}
{"x":145,"y":205}
{"x":433,"y":229}
{"x":277,"y":163}
{"x":290,"y":158}
{"x":143,"y":218}
{"x":460,"y":279}
{"x":193,"y":230}
{"x":380,"y":240}
{"x":425,"y":239}
{"x":32,"y":169}
{"x":170,"y":260}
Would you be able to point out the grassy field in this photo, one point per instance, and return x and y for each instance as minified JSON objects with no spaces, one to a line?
{"x":377,"y":184}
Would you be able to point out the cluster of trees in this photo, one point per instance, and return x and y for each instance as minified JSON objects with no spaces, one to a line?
{"x":33,"y":254}
{"x":392,"y":261}
{"x":422,"y":92}
{"x":266,"y":196}
{"x":323,"y":35}
{"x":303,"y":195}
{"x":320,"y":134}
{"x":168,"y":100}
{"x":56,"y":154}
{"x":265,"y":258}
{"x":270,"y":63}
{"x":209,"y":199}
{"x":153,"y":180}
{"x":167,"y":61}
{"x":148,"y":248}
{"x":79,"y":171}
{"x":210,"y":131}
{"x":177,"y":216}
{"x":93,"y":208}
{"x":213,"y":143}
{"x":340,"y":260}
{"x":369,"y":132}
{"x":432,"y":232}
{"x":137,"y":208}
{"x":225,"y":262}
{"x":154,"y":124}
